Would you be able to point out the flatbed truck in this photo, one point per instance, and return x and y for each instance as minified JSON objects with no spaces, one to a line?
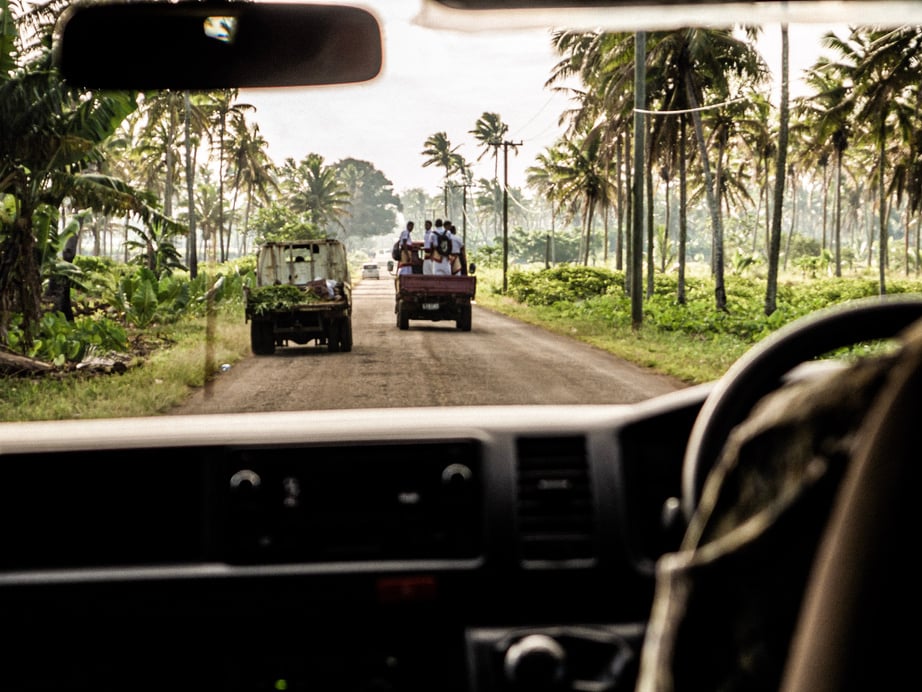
{"x":302,"y":293}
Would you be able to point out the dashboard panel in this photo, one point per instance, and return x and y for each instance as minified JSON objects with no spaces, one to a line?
{"x":325,"y":550}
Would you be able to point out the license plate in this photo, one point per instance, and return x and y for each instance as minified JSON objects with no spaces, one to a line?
{"x":430,"y":306}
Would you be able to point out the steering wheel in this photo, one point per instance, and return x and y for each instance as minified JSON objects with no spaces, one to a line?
{"x":762,"y":368}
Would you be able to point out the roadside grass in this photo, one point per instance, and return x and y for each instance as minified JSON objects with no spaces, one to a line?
{"x":183,"y":357}
{"x":693,"y":342}
{"x":689,"y":358}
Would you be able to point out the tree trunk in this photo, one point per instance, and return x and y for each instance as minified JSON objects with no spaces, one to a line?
{"x":629,"y":218}
{"x":664,"y":251}
{"x":619,"y":236}
{"x":640,"y":104}
{"x":648,"y":193}
{"x":771,"y":289}
{"x":191,"y":242}
{"x":838,"y":213}
{"x":881,"y":193}
{"x":720,"y":292}
{"x":14,"y":365}
{"x":20,"y":279}
{"x":683,"y":211}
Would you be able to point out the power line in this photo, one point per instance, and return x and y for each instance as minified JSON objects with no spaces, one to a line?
{"x":692,"y":110}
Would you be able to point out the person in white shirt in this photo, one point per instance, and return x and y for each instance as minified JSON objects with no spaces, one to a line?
{"x":458,"y":255}
{"x":405,"y":265}
{"x":441,"y":264}
{"x":427,"y":247}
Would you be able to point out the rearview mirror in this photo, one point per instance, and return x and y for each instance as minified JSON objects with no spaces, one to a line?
{"x":215,"y":45}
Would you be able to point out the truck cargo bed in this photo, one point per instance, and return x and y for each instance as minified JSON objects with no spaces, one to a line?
{"x":435,"y":298}
{"x":428,"y":284}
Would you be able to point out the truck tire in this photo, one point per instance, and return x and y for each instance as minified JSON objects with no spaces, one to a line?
{"x":403,"y":319}
{"x":464,"y":319}
{"x":334,"y":335}
{"x":345,"y":339}
{"x":262,"y":340}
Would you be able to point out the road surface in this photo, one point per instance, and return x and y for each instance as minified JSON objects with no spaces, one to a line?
{"x":500,"y":361}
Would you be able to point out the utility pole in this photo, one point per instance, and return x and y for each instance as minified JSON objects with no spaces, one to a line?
{"x":505,"y":145}
{"x":640,"y":103}
{"x":464,"y":215}
{"x":463,"y":187}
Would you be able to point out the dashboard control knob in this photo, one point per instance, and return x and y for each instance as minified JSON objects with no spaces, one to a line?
{"x":245,"y":482}
{"x":535,"y":662}
{"x":456,"y":475}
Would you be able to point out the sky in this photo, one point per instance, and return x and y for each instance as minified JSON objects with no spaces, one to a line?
{"x":432,"y":81}
{"x":441,"y":81}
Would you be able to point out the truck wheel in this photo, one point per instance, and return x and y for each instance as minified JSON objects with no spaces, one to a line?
{"x":262,"y":340}
{"x":345,"y":339}
{"x":334,"y":334}
{"x":464,"y":319}
{"x":403,"y":319}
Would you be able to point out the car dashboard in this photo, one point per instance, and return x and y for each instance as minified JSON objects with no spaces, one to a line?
{"x":338,"y":549}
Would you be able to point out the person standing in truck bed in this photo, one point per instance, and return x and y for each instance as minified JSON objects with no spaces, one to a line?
{"x":458,"y":254}
{"x":427,"y":247}
{"x":405,"y":264}
{"x":441,"y":263}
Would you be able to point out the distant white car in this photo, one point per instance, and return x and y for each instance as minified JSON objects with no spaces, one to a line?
{"x":370,"y":271}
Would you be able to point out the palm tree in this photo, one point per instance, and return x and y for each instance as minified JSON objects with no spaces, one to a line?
{"x":686,"y":66}
{"x":488,"y":201}
{"x":440,"y":153}
{"x":208,"y":210}
{"x":771,"y":291}
{"x":314,"y":188}
{"x":162,"y":115}
{"x":192,"y":240}
{"x":490,"y":131}
{"x":254,"y":171}
{"x":881,"y":68}
{"x":542,"y":178}
{"x":582,"y":174}
{"x":225,"y":113}
{"x":760,"y":139}
{"x":700,"y":63}
{"x":827,"y":112}
{"x":604,"y":62}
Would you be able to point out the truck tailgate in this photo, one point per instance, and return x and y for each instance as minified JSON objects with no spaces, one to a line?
{"x":427,"y":284}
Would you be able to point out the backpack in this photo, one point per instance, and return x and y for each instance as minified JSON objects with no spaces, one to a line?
{"x":395,"y":251}
{"x":443,"y":244}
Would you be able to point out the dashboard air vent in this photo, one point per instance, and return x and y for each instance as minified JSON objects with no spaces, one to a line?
{"x":554,"y":509}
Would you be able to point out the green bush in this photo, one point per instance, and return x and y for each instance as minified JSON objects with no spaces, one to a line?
{"x":598,"y":294}
{"x":562,"y":283}
{"x":59,"y":341}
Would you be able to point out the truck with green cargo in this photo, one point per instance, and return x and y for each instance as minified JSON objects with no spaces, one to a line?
{"x":302,"y":292}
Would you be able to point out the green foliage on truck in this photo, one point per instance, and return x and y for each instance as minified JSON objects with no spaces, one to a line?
{"x":302,"y":293}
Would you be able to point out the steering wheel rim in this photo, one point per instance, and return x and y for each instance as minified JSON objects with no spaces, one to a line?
{"x":761,"y":369}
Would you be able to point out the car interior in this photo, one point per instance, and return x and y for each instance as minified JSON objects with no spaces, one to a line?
{"x":754,"y":533}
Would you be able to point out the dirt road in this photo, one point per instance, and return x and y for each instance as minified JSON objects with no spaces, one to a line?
{"x":500,"y":361}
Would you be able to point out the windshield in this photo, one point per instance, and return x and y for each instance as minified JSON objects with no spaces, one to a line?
{"x":611,"y":233}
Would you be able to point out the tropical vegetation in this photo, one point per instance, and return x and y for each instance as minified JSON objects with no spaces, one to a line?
{"x":125,"y":210}
{"x":690,"y":342}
